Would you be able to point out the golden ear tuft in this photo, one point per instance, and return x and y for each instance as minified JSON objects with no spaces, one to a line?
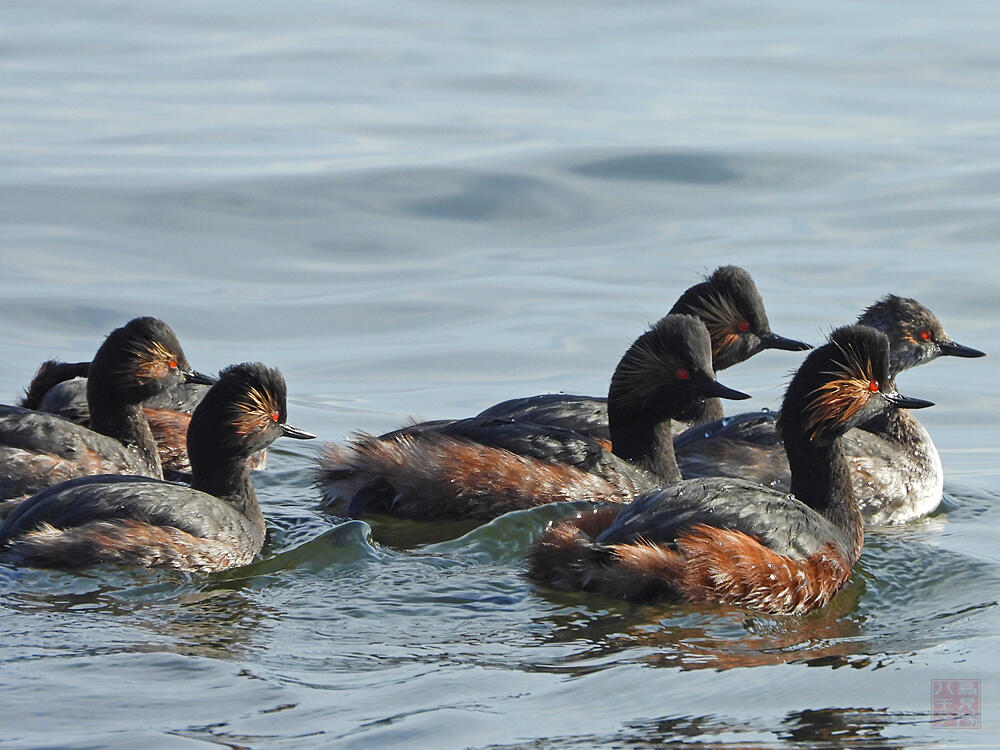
{"x":151,"y":361}
{"x":258,"y":401}
{"x":256,"y":411}
{"x":850,"y":386}
{"x":722,"y":319}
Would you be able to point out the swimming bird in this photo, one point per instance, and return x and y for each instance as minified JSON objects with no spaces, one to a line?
{"x":214,"y":524}
{"x":135,"y":362}
{"x":895,"y":465}
{"x":733,"y":542}
{"x":482,"y":467}
{"x":61,"y":388}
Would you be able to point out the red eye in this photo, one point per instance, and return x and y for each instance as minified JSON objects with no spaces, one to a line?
{"x":925,"y":334}
{"x":274,"y":416}
{"x":682,"y":374}
{"x":873,"y":386}
{"x":173,"y":364}
{"x":743,"y":326}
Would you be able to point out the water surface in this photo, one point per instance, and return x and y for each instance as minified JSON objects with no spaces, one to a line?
{"x":422,"y":209}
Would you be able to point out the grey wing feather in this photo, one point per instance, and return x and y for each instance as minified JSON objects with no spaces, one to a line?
{"x":587,"y":415}
{"x":49,"y":433}
{"x":781,"y":522}
{"x":109,"y":497}
{"x":69,"y":399}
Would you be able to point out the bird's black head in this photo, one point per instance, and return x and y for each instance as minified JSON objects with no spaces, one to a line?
{"x":915,"y":334}
{"x":244,"y":412}
{"x":730,"y":306}
{"x":667,"y":371}
{"x":841,"y":385}
{"x":137,"y":361}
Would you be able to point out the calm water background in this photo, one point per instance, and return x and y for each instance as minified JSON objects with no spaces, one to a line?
{"x":423,"y":208}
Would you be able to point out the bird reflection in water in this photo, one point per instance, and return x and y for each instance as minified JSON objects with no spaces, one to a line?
{"x":216,"y":621}
{"x":707,"y":637}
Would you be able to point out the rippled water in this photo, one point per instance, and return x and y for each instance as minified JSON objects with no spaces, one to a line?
{"x":422,"y":209}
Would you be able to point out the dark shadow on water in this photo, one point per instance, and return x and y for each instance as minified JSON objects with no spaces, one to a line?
{"x":691,"y":168}
{"x":848,"y":727}
{"x":483,"y":197}
{"x":692,"y":637}
{"x":817,"y":729}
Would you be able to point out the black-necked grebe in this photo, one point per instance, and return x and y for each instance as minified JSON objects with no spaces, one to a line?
{"x":214,"y":524}
{"x":483,"y":467}
{"x":53,"y":379}
{"x":61,"y":388}
{"x":731,"y":308}
{"x":733,"y":542}
{"x":895,"y":466}
{"x":38,"y":450}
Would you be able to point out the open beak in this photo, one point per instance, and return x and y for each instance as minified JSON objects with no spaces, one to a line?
{"x":774,"y":341}
{"x":294,"y":432}
{"x":193,"y":376}
{"x":951,"y":349}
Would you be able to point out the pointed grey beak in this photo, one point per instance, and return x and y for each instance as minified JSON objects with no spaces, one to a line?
{"x":774,"y":341}
{"x":715,"y":388}
{"x":951,"y":349}
{"x":193,"y":376}
{"x":294,"y":432}
{"x":905,"y":402}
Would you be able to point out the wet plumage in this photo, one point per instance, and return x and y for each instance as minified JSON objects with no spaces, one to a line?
{"x":135,"y":362}
{"x":734,"y":542}
{"x":482,"y":467}
{"x":61,"y":388}
{"x":214,"y":524}
{"x":896,"y":469}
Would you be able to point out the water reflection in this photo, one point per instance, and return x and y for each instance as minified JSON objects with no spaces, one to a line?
{"x":425,"y":208}
{"x":816,"y":729}
{"x":849,"y":727}
{"x":188,"y":619}
{"x":686,"y":637}
{"x":220,"y":624}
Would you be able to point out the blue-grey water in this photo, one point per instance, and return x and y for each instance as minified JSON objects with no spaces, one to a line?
{"x":419,"y":209}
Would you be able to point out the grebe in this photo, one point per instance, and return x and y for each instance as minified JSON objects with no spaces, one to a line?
{"x":61,"y":388}
{"x":895,"y":466}
{"x":135,"y":361}
{"x":731,"y":308}
{"x":482,"y":467}
{"x":734,"y":542}
{"x":214,"y":524}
